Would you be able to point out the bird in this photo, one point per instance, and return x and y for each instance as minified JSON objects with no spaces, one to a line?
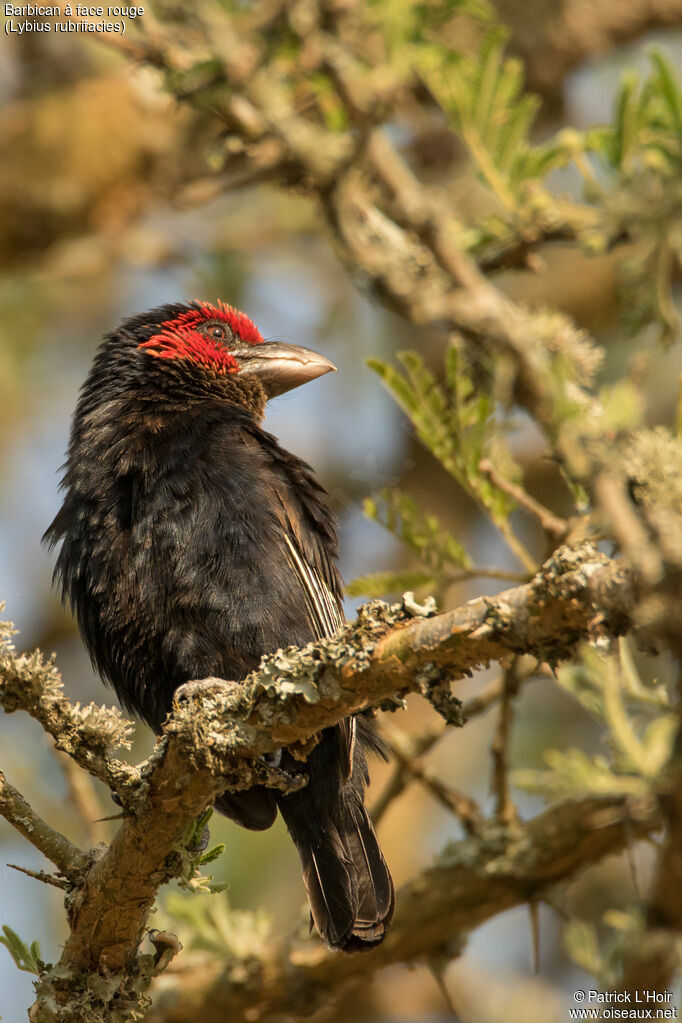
{"x":192,"y":543}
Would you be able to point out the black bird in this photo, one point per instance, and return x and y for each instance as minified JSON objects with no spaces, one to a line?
{"x":192,"y":544}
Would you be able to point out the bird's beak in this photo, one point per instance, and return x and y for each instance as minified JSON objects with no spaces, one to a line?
{"x":281,"y":367}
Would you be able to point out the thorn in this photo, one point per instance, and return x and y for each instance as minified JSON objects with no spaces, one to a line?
{"x":437,"y":972}
{"x":41,"y":875}
{"x":534,"y":918}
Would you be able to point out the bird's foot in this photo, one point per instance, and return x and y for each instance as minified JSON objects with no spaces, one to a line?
{"x":198,"y":835}
{"x":276,"y":777}
{"x":200,"y":841}
{"x":203,"y":687}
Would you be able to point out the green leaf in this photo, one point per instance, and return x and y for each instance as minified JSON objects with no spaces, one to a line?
{"x":455,"y":422}
{"x":424,"y":534}
{"x":482,"y":96}
{"x":395,"y":383}
{"x":381,"y":583}
{"x":485,"y":84}
{"x":510,"y":144}
{"x":626,"y":116}
{"x":573,"y":773}
{"x":217,"y":887}
{"x":452,"y":367}
{"x":623,"y":406}
{"x":670,"y":88}
{"x":26,"y":957}
{"x":212,"y":854}
{"x":582,"y":945}
{"x":212,"y":925}
{"x":657,"y":744}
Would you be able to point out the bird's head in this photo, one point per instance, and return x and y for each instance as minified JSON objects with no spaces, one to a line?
{"x":200,"y":348}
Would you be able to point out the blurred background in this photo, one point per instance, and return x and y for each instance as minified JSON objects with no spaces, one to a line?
{"x":107,"y":209}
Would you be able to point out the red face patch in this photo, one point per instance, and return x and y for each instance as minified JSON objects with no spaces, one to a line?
{"x":181,"y":337}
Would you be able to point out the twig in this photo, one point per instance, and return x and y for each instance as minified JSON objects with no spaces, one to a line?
{"x":68,"y":858}
{"x":437,"y":971}
{"x":41,"y":875}
{"x":534,"y":920}
{"x":551,"y":523}
{"x":461,"y":805}
{"x":32,"y":683}
{"x":477,"y":572}
{"x":83,"y":798}
{"x":504,"y":806}
{"x":401,"y":778}
{"x":492,"y":693}
{"x":517,"y":546}
{"x":613,"y":502}
{"x":482,"y":702}
{"x":392,"y":790}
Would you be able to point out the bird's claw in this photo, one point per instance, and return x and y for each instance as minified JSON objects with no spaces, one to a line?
{"x":199,"y":687}
{"x":199,"y":842}
{"x":273,"y":759}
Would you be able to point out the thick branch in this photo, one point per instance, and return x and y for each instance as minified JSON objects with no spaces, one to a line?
{"x":218,"y":728}
{"x":110,"y":910}
{"x":578,"y":594}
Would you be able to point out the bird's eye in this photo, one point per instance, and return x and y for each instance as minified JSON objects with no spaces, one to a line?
{"x":219,"y":333}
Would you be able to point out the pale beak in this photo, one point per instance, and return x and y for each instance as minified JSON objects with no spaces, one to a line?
{"x":281,"y":367}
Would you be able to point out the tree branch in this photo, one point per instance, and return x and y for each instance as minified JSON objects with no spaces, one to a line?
{"x":578,"y":594}
{"x":218,"y":728}
{"x":566,"y":33}
{"x":458,"y":803}
{"x":14,"y":808}
{"x":392,"y":231}
{"x":474,"y":880}
{"x":31,"y":683}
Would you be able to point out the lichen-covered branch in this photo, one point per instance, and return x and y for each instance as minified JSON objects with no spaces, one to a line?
{"x":109,"y":909}
{"x":218,"y":730}
{"x":578,"y":594}
{"x":32,"y":683}
{"x":56,"y":847}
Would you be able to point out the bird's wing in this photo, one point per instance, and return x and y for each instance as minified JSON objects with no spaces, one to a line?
{"x":323,"y":609}
{"x":309,"y":533}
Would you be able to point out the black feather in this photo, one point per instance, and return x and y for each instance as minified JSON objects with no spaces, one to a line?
{"x":192,"y":544}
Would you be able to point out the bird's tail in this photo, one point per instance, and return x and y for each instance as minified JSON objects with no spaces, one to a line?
{"x":349,"y":885}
